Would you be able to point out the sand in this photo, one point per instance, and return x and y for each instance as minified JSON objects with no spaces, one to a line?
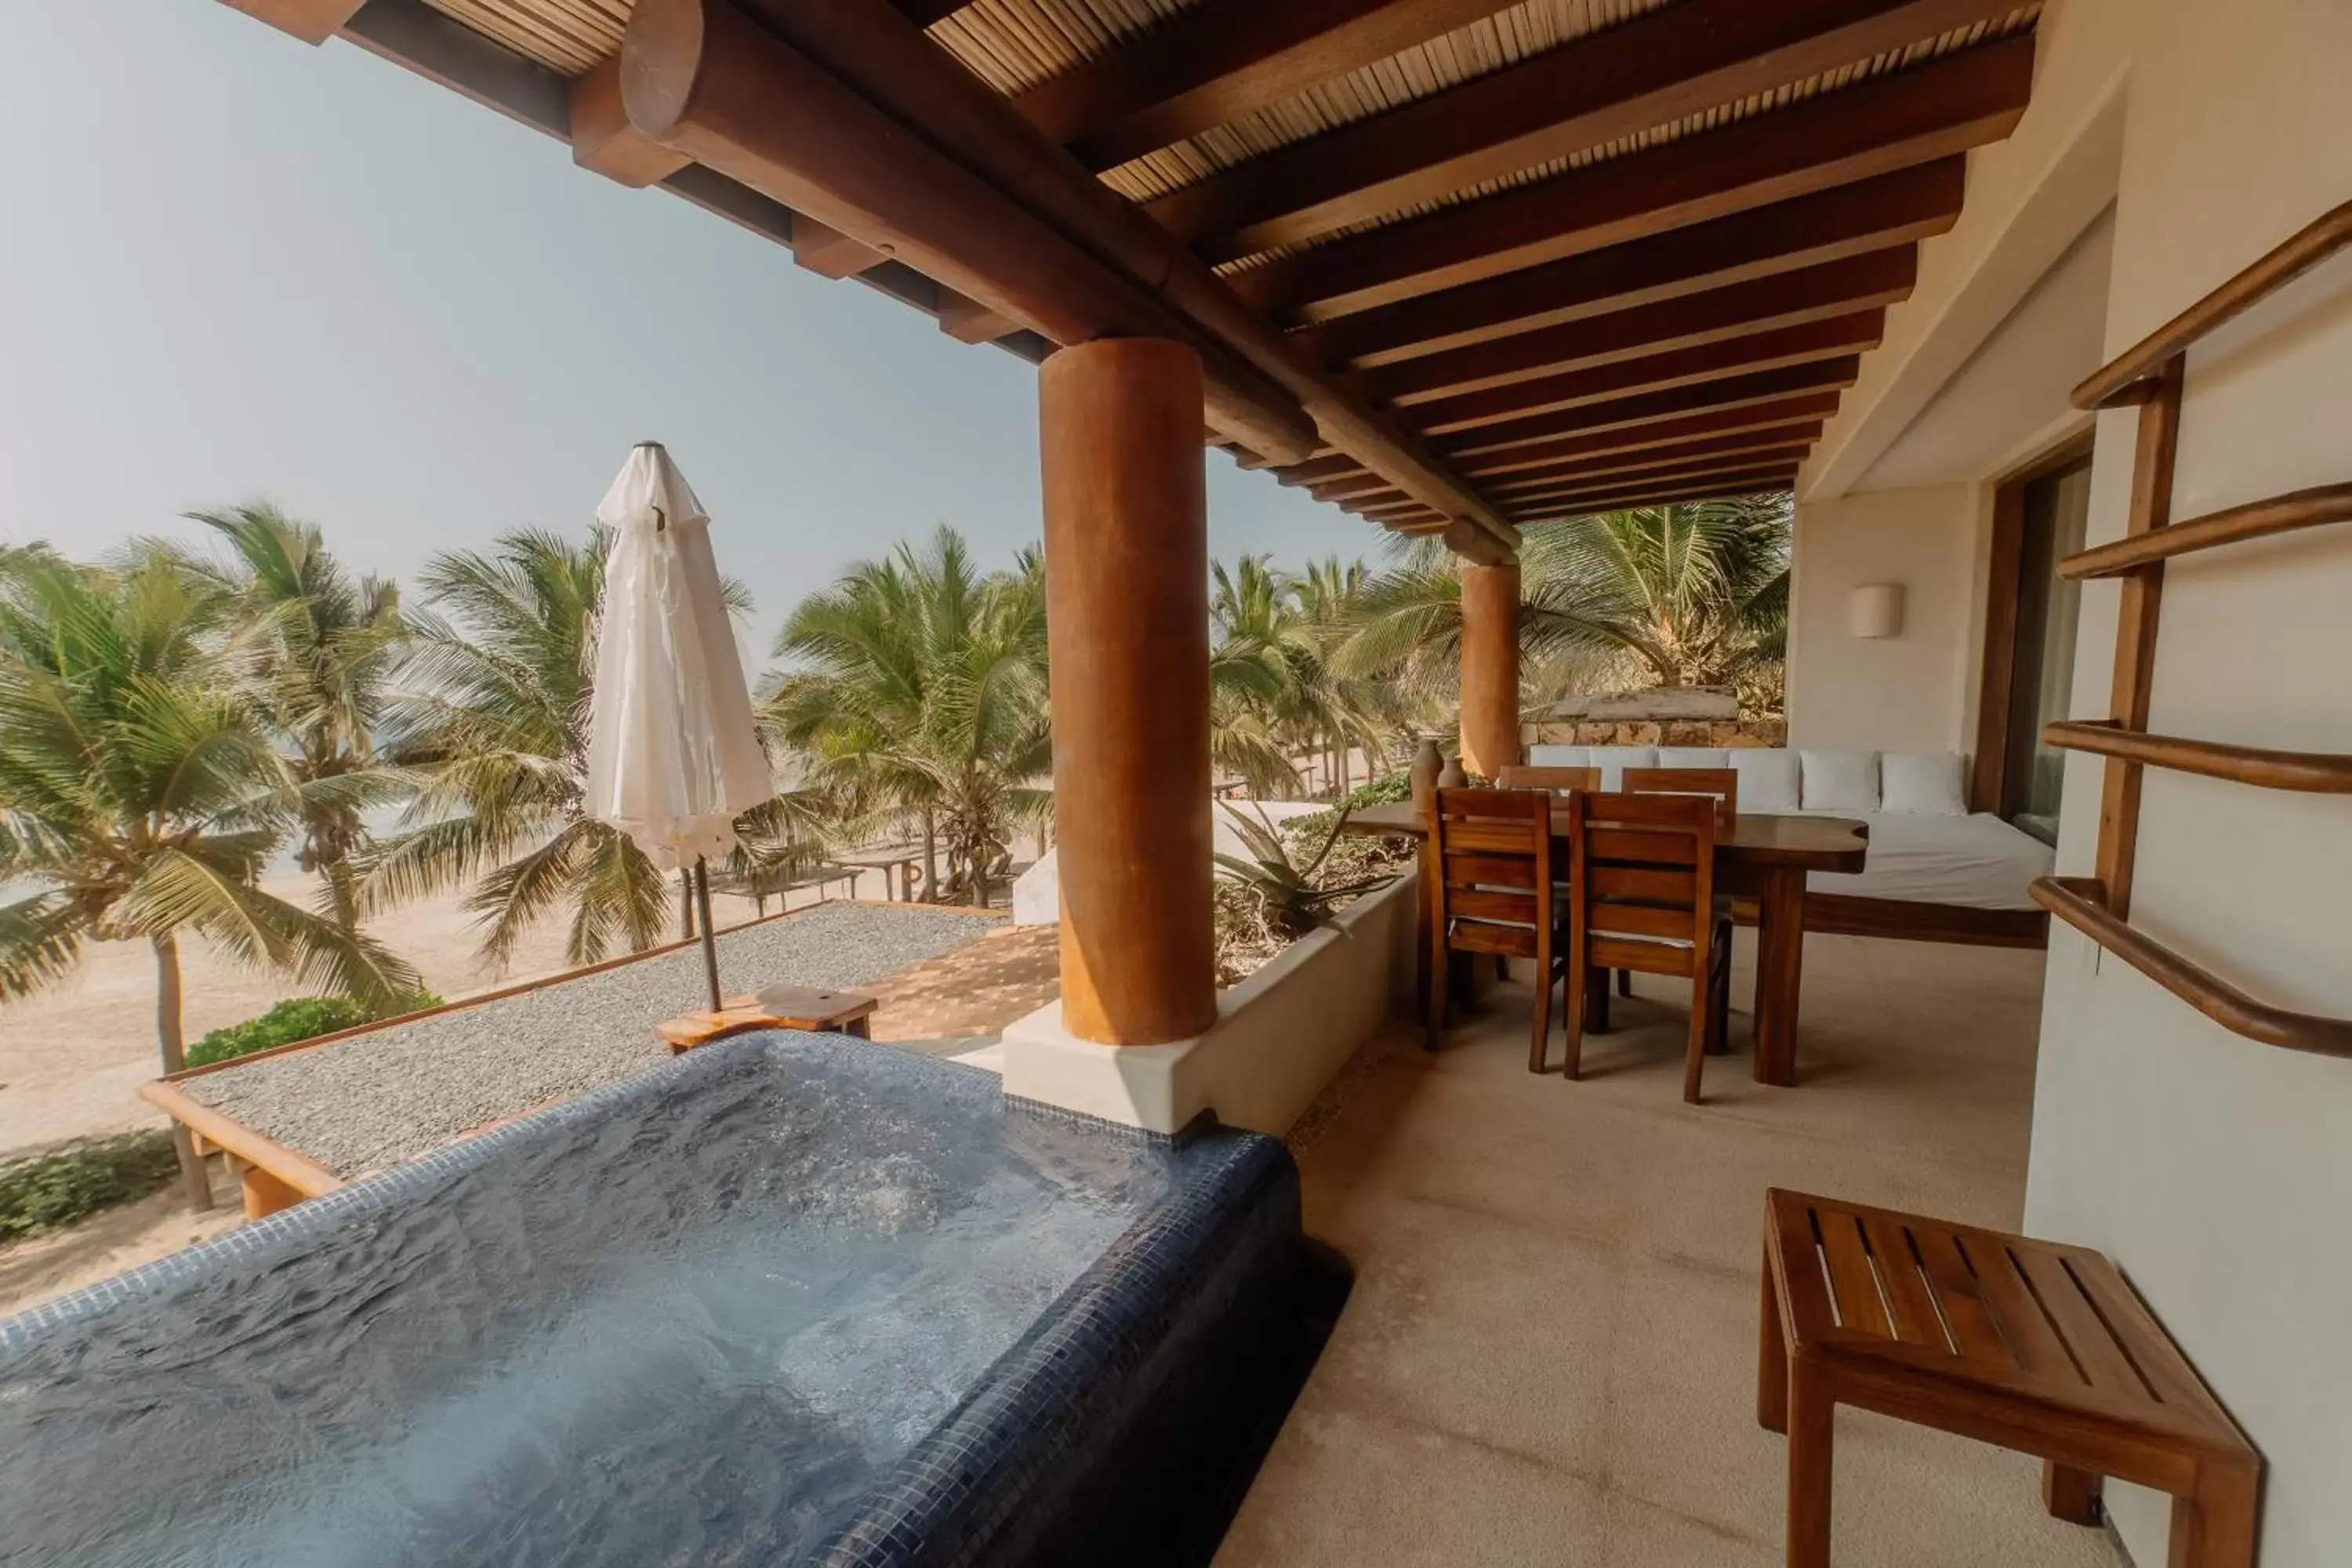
{"x":72,"y":1059}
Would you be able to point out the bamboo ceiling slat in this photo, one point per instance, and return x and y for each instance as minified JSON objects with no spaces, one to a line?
{"x":566,"y":35}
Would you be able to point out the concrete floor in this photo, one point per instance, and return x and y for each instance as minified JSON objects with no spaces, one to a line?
{"x":1550,"y":1354}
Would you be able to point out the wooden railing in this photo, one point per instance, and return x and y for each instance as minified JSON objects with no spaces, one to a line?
{"x":2150,"y":375}
{"x":2081,"y":902}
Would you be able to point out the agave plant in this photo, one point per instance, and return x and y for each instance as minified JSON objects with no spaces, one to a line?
{"x":1294,"y":900}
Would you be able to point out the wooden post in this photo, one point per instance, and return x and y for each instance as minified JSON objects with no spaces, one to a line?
{"x":1490,"y":667}
{"x":1126,"y":570}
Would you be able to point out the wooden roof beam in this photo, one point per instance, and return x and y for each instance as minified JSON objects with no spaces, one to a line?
{"x":312,"y":21}
{"x":702,"y":77}
{"x":1906,"y":205}
{"x":1625,"y":413}
{"x":1788,"y":455}
{"x":1665,"y":493}
{"x":1768,"y":439}
{"x":1809,"y":410}
{"x":1669,"y":64}
{"x":927,"y":103}
{"x":1890,"y":123}
{"x":1221,"y":59}
{"x":1780,"y":349}
{"x":1833,"y":289}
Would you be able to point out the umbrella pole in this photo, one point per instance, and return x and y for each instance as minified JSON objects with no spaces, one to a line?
{"x":709,"y":937}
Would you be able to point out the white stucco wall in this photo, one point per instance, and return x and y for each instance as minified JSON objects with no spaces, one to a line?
{"x":1908,"y":693}
{"x":2215,"y":1170}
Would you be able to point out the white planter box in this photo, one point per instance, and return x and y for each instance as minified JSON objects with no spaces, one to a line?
{"x":1280,"y":1035}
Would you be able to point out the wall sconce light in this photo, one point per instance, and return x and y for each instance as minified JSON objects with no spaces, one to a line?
{"x":1876,"y":610}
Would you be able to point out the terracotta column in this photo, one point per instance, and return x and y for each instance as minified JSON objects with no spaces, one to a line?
{"x":1490,"y":667}
{"x":1126,"y":587}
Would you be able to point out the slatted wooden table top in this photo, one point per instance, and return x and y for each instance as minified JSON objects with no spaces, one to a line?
{"x":1918,"y":1301}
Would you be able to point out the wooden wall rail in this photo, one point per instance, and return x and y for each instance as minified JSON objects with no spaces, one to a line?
{"x":2314,"y":772}
{"x":2256,"y":520}
{"x":2081,"y":902}
{"x":2123,"y":379}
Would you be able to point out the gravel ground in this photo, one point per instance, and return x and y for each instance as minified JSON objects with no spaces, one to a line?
{"x":379,"y":1099}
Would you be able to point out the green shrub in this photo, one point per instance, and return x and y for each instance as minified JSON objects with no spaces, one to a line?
{"x":294,"y":1019}
{"x":48,"y":1191}
{"x":1386,"y":790}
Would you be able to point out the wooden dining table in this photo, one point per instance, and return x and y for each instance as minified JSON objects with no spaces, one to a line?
{"x":1764,"y":858}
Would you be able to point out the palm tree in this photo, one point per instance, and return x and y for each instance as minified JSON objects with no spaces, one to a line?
{"x":491,"y":722}
{"x":920,"y":687}
{"x":140,"y":794}
{"x":1686,"y":595}
{"x":1274,"y":692}
{"x":318,"y":649}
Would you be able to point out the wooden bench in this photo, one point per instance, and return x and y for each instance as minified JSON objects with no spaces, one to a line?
{"x":2040,"y":1348}
{"x":776,"y":1007}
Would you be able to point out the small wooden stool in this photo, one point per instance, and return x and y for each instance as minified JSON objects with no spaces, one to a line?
{"x":776,"y":1007}
{"x":2040,"y":1348}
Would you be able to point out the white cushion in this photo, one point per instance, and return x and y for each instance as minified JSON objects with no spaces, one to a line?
{"x":1767,"y":777}
{"x":1556,"y":756}
{"x":1840,"y":781}
{"x":1921,"y":783}
{"x":1613,"y":761}
{"x":1691,"y":757}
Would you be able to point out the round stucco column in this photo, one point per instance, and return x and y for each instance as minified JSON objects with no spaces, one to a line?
{"x":1127,"y":587}
{"x":1490,"y":667}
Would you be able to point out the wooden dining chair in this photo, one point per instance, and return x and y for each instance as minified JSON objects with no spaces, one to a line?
{"x":1558,"y":781}
{"x":1491,"y":879}
{"x":1723,"y":783}
{"x":1641,"y":896}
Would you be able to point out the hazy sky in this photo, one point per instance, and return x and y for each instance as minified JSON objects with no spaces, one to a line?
{"x":232,"y":266}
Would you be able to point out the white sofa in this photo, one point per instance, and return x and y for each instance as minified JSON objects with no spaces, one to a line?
{"x":1926,"y":848}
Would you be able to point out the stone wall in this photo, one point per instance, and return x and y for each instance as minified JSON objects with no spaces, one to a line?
{"x":1659,"y":733}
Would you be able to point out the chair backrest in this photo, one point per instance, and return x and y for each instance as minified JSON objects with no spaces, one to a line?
{"x":1723,"y":783}
{"x":1558,"y":781}
{"x":1642,"y":880}
{"x":1490,"y":869}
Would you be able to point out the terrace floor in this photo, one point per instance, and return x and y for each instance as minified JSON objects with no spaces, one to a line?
{"x":1549,"y":1356}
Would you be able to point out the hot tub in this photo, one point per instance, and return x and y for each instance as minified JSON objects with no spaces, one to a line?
{"x":788,"y":1299}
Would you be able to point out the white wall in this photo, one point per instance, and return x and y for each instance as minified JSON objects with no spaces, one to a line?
{"x":1910,"y":693}
{"x":2216,"y":1171}
{"x":2219,"y":1172}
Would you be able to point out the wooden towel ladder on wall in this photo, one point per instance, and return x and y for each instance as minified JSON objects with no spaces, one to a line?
{"x":2150,"y":375}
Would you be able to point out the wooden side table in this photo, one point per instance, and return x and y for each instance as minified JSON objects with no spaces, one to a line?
{"x":2040,"y":1348}
{"x":776,"y":1007}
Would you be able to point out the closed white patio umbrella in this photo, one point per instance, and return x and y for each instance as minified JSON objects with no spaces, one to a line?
{"x":672,"y":757}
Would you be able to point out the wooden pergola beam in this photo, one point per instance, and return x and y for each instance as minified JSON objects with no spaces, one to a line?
{"x":1218,"y":61}
{"x":1642,"y":478}
{"x":603,"y":141}
{"x":312,"y":21}
{"x":1906,"y":205}
{"x":1768,"y":439}
{"x":1808,"y":411}
{"x":1780,"y":349}
{"x":1662,"y":67}
{"x":1832,"y":290}
{"x":1617,"y":413}
{"x":700,"y":77}
{"x":1665,"y":493}
{"x":928,"y":101}
{"x":1889,"y":123}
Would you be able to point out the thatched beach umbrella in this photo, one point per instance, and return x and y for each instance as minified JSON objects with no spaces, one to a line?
{"x":672,"y":757}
